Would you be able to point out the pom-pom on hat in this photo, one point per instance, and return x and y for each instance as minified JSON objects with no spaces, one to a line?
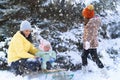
{"x":90,"y":7}
{"x":88,"y":12}
{"x":25,"y":25}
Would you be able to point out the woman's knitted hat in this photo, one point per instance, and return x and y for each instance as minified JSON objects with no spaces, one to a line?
{"x":25,"y":25}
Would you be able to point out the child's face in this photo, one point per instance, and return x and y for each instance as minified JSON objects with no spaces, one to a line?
{"x":46,"y":48}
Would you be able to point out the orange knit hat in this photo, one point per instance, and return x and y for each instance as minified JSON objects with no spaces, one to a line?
{"x":88,"y":12}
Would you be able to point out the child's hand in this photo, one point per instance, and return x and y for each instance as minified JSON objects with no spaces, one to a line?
{"x":52,"y":60}
{"x":39,"y":59}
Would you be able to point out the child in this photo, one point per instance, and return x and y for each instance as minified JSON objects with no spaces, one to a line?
{"x":90,"y":41}
{"x":46,"y":55}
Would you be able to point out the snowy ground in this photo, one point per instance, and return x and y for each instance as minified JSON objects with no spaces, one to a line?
{"x":112,"y":70}
{"x":112,"y":66}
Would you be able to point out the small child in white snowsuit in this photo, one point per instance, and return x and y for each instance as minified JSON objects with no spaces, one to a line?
{"x":46,"y":55}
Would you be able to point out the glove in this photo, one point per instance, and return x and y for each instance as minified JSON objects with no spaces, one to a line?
{"x":40,"y":59}
{"x":52,"y":60}
{"x":87,"y":45}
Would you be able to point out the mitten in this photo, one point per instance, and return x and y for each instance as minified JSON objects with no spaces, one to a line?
{"x":52,"y":60}
{"x":87,"y":45}
{"x":40,"y":59}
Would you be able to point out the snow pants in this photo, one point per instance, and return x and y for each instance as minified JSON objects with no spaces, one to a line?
{"x":93,"y":54}
{"x":23,"y":65}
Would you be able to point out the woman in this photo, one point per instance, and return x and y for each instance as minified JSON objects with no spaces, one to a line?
{"x":21,"y":49}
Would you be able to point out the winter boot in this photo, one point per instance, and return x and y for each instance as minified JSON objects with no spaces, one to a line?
{"x":19,"y":72}
{"x":84,"y":69}
{"x":99,"y":64}
{"x":95,"y":58}
{"x":49,"y":66}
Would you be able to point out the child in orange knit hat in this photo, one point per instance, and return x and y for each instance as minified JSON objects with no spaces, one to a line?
{"x":90,"y":40}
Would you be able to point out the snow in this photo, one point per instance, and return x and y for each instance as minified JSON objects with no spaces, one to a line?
{"x":112,"y":15}
{"x":112,"y":66}
{"x":112,"y":71}
{"x":87,"y":2}
{"x":5,"y":75}
{"x":67,"y":36}
{"x":2,"y":54}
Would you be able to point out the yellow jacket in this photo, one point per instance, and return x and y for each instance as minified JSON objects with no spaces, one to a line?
{"x":20,"y":47}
